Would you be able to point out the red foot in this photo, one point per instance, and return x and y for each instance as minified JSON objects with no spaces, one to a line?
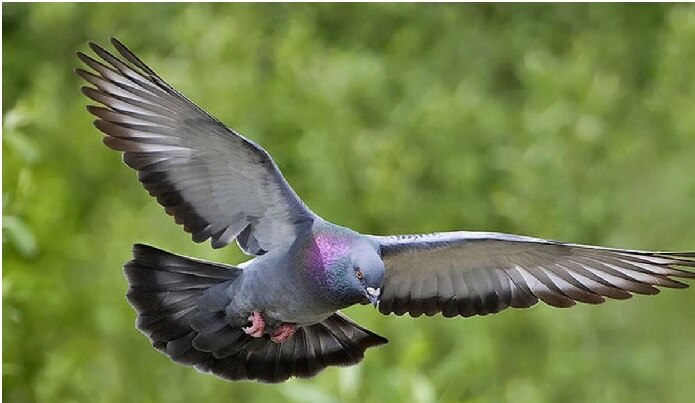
{"x":257,"y":325}
{"x":284,"y":332}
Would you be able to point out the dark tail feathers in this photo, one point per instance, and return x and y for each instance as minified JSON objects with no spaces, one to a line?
{"x":165,"y":290}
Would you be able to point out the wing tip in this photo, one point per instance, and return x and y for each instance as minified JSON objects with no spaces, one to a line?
{"x":95,"y":47}
{"x":120,"y":47}
{"x":81,"y":55}
{"x":90,"y":92}
{"x":96,"y":110}
{"x":375,"y":340}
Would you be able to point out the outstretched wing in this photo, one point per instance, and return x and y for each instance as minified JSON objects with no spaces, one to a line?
{"x":215,"y":182}
{"x":475,"y":273}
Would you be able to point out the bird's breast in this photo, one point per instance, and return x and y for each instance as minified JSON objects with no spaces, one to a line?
{"x":284,"y":294}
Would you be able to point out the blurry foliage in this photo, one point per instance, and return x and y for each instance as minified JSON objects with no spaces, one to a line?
{"x":572,"y":122}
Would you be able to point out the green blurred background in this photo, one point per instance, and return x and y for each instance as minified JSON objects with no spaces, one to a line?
{"x":571,"y":122}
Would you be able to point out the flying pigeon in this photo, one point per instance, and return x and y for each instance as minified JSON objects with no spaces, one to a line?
{"x":278,"y":315}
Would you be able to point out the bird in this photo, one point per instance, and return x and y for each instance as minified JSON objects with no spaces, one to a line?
{"x":278,"y":315}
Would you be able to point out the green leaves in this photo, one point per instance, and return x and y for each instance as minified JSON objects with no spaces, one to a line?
{"x":19,"y":148}
{"x":19,"y":235}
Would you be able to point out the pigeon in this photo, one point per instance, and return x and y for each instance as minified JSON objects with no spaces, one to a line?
{"x":278,"y":315}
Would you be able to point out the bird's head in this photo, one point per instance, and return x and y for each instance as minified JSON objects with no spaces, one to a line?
{"x":368,"y":269}
{"x":346,"y":270}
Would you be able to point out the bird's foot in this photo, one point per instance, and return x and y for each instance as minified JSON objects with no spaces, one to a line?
{"x":257,"y":325}
{"x":283,"y":332}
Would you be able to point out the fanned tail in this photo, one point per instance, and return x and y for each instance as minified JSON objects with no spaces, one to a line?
{"x":335,"y":341}
{"x":166,"y":290}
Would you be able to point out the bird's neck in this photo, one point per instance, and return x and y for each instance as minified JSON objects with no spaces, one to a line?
{"x":324,"y":259}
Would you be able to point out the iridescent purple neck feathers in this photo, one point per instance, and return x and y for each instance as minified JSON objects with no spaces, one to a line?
{"x":341,"y":266}
{"x":325,"y":250}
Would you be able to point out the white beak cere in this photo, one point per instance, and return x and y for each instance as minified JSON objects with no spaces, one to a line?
{"x":374,"y":292}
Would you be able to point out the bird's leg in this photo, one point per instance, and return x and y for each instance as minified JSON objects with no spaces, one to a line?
{"x":283,"y":332}
{"x":257,"y":325}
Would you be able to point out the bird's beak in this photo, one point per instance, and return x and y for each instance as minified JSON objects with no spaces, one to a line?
{"x":373,"y":294}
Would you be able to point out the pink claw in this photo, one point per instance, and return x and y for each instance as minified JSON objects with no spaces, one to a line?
{"x":284,"y":332}
{"x":257,"y":325}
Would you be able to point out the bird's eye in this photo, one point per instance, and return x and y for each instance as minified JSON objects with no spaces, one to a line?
{"x":359,"y":274}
